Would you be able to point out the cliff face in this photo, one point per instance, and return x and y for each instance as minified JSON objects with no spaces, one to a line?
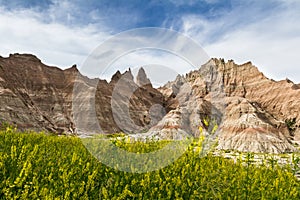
{"x":38,"y":97}
{"x":279,"y":98}
{"x":35,"y":96}
{"x":250,"y":109}
{"x":263,"y":110}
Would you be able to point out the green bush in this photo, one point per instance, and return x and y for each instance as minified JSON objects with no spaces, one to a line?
{"x":290,"y":123}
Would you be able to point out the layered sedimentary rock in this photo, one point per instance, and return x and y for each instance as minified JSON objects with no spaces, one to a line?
{"x":252,"y":110}
{"x":235,"y":103}
{"x":38,"y":97}
{"x":122,"y":106}
{"x":247,"y":127}
{"x":35,"y":96}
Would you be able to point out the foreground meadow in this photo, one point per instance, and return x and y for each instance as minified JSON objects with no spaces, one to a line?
{"x":40,"y":166}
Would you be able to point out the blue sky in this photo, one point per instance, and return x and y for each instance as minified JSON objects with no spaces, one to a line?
{"x":121,"y":15}
{"x":64,"y":32}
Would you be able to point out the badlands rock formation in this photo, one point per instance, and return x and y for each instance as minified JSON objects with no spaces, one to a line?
{"x":251,"y":112}
{"x":38,"y":97}
{"x":250,"y":109}
{"x":35,"y":96}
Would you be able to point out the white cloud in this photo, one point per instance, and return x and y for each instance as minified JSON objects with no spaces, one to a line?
{"x":271,"y":42}
{"x":23,"y":31}
{"x":146,"y":46}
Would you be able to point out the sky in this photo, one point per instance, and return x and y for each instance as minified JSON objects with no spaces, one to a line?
{"x":65,"y":32}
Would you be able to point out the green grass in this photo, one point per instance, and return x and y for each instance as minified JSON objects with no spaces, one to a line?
{"x":39,"y":166}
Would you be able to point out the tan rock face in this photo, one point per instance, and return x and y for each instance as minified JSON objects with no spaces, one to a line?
{"x":279,"y":98}
{"x":122,"y":105}
{"x":39,"y":97}
{"x":185,"y":120}
{"x":278,"y":101}
{"x":253,"y":109}
{"x":247,"y":127}
{"x":34,"y":95}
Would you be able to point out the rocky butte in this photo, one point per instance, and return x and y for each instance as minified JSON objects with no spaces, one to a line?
{"x":245,"y":110}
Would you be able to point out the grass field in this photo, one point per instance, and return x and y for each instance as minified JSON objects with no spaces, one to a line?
{"x":40,"y":166}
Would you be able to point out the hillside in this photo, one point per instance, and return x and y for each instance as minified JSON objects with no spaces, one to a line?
{"x":252,"y":112}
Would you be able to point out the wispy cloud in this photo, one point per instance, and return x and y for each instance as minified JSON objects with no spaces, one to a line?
{"x":270,"y":39}
{"x":143,"y":47}
{"x":58,"y":44}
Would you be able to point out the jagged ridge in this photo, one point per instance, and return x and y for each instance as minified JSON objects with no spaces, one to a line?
{"x":251,"y":110}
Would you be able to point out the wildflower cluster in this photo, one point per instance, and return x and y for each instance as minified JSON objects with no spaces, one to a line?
{"x":39,"y":166}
